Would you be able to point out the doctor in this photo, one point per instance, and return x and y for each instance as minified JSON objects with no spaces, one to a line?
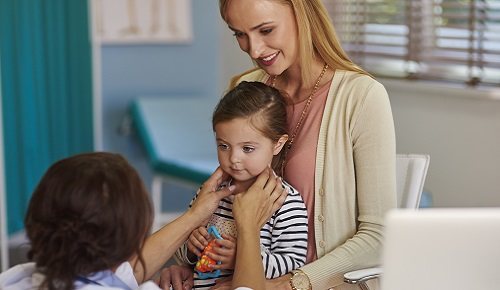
{"x":89,"y":219}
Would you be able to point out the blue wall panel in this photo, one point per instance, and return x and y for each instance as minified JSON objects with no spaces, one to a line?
{"x":135,"y":70}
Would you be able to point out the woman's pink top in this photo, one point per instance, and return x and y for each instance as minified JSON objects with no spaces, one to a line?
{"x":301,"y":159}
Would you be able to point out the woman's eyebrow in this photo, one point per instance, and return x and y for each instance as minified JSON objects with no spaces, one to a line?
{"x":253,"y":28}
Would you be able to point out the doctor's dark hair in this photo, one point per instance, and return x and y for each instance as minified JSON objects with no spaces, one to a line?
{"x":264,"y":106}
{"x":89,"y":213}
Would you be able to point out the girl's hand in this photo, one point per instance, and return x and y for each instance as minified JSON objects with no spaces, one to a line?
{"x":225,"y":252}
{"x":198,"y":240}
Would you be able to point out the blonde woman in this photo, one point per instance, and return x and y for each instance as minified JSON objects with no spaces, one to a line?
{"x":342,"y":153}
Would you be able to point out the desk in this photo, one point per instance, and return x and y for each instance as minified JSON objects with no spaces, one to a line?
{"x":178,"y":137}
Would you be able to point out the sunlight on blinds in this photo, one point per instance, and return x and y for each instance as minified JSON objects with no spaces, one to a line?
{"x":448,"y":40}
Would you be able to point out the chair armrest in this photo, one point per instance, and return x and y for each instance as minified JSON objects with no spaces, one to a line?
{"x":358,"y":276}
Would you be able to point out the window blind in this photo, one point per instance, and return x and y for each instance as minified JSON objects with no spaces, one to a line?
{"x":446,"y":40}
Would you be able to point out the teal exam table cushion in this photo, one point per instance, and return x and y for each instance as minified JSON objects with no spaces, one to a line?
{"x":177,"y":134}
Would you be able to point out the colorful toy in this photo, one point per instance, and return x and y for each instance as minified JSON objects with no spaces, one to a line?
{"x":202,"y":266}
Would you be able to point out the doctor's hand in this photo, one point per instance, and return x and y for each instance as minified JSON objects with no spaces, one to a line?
{"x":208,"y":196}
{"x":176,"y":277}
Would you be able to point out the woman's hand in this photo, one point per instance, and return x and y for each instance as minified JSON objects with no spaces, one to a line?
{"x":280,"y":283}
{"x":208,"y":196}
{"x":251,"y":210}
{"x":223,"y":284}
{"x":225,"y":252}
{"x":198,"y":240}
{"x":255,"y":207}
{"x":177,"y":277}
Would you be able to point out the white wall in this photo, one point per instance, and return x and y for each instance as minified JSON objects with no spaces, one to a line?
{"x":234,"y":61}
{"x":458,"y":127}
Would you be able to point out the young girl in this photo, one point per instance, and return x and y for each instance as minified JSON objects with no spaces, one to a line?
{"x":250,"y":130}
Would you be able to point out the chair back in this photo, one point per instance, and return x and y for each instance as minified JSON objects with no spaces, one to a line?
{"x":411,"y":170}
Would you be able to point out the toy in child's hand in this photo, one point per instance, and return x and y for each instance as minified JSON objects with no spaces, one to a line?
{"x":203,"y":265}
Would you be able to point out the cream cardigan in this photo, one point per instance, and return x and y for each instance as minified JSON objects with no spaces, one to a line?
{"x":355,"y":177}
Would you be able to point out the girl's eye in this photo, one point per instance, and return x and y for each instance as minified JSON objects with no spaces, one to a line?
{"x":223,"y":146}
{"x":248,"y":149}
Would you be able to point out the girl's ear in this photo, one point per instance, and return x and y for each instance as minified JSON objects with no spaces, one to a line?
{"x":279,"y":145}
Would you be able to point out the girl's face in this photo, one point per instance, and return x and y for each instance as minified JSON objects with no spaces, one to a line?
{"x":267,"y":31}
{"x":242,"y":150}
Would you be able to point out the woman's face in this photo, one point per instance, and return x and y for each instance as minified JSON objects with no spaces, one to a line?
{"x":267,"y":31}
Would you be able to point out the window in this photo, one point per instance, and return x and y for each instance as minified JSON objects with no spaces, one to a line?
{"x":449,"y":40}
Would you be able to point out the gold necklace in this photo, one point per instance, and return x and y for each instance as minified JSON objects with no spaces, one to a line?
{"x":306,"y":107}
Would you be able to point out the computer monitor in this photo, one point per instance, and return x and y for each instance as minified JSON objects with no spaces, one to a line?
{"x":431,"y":249}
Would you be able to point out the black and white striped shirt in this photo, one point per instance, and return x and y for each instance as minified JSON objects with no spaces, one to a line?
{"x":283,"y":239}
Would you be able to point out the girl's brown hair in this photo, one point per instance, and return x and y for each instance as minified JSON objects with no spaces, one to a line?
{"x":263,"y":105}
{"x":89,"y":213}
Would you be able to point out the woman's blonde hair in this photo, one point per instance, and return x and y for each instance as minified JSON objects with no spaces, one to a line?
{"x":317,"y":37}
